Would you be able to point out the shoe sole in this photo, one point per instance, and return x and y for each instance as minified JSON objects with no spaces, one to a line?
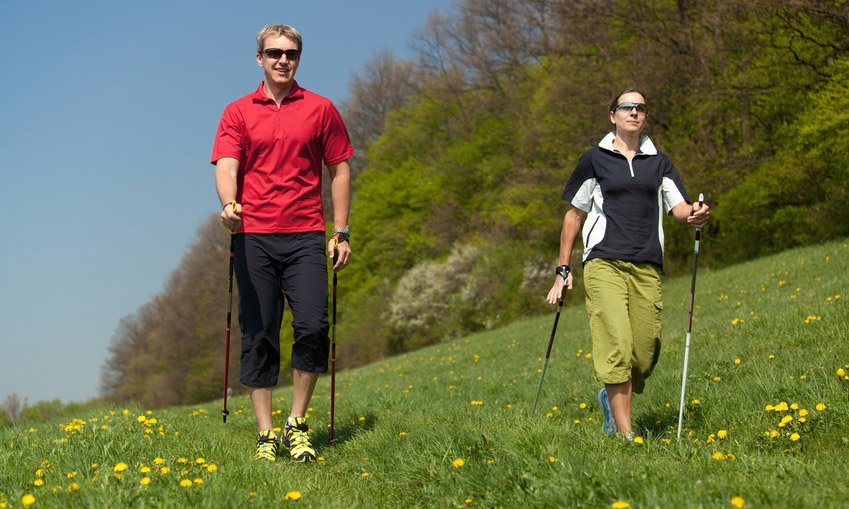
{"x":609,"y":425}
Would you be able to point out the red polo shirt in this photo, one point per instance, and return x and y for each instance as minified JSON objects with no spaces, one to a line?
{"x":280,"y":151}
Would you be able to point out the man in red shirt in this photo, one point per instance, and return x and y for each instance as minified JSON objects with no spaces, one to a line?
{"x":268,"y":156}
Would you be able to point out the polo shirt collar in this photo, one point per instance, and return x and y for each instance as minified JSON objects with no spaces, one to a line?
{"x":295,"y":93}
{"x":646,"y":145}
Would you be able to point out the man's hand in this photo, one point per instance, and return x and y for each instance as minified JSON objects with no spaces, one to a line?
{"x":231,"y":216}
{"x":339,"y":252}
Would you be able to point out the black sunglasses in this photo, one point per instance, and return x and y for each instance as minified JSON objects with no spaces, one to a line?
{"x":277,"y":53}
{"x":641,"y":107}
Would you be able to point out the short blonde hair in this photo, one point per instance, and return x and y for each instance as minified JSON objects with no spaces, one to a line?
{"x":277,"y":30}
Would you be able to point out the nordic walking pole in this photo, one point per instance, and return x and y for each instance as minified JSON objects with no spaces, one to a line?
{"x":689,"y":322}
{"x":550,"y":343}
{"x":333,"y":347}
{"x":224,"y":412}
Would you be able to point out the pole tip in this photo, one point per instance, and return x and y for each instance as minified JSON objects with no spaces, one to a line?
{"x":224,"y":414}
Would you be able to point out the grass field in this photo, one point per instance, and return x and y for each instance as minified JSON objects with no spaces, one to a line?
{"x":767,"y":421}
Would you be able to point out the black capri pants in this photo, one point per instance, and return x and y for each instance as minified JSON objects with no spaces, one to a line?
{"x":269,"y":268}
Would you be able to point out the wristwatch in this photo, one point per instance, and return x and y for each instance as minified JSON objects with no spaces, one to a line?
{"x":343,"y":234}
{"x":563,"y":271}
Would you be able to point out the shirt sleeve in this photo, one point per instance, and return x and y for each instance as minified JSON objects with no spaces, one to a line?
{"x":336,"y":144}
{"x":581,"y":185}
{"x":229,"y":140}
{"x":672,"y":187}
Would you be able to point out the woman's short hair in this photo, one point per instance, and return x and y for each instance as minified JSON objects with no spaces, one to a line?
{"x":622,"y":92}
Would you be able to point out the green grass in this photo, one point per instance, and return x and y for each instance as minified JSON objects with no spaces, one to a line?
{"x":402,"y":422}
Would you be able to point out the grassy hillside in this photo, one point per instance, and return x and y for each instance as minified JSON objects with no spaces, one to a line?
{"x":449,"y":426}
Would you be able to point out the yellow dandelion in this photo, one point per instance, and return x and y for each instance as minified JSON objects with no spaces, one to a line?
{"x":841,"y":372}
{"x":554,"y":408}
{"x":125,"y":412}
{"x":361,"y":418}
{"x":294,"y":496}
{"x":185,"y":483}
{"x":638,"y":440}
{"x":402,"y":434}
{"x":364,"y":474}
{"x":164,"y":470}
{"x":144,"y":481}
{"x":145,"y":469}
{"x":73,"y":487}
{"x":774,"y":433}
{"x":39,"y":472}
{"x":119,"y":467}
{"x":665,"y":440}
{"x":200,"y":461}
{"x":198,"y":480}
{"x":771,"y":357}
{"x":468,"y":500}
{"x":141,"y":418}
{"x":803,"y":412}
{"x":212,"y":467}
{"x":582,"y":406}
{"x":716,"y":379}
{"x":696,"y":402}
{"x":459,"y":462}
{"x":717,"y":456}
{"x":795,"y":437}
{"x":182,"y":460}
{"x":38,"y":482}
{"x":27,"y":500}
{"x":71,"y":474}
{"x":620,"y":504}
{"x":820,"y":407}
{"x":476,"y":403}
{"x":722,"y":433}
{"x":738,"y":502}
{"x":588,"y":356}
{"x":737,"y":360}
{"x":552,"y":459}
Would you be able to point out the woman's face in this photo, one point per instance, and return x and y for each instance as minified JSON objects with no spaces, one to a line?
{"x":630,"y":116}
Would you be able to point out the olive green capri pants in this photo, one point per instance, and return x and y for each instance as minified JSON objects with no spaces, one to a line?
{"x":624,"y":304}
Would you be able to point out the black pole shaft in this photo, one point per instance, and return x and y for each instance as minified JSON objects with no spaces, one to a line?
{"x":224,"y":412}
{"x":333,"y":358}
{"x":547,"y":354}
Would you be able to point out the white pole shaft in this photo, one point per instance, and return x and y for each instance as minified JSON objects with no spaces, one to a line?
{"x":683,"y":385}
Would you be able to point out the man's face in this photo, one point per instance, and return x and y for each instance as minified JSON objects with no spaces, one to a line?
{"x":279,"y":71}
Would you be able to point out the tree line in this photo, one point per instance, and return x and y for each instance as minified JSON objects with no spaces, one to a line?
{"x":463,"y":152}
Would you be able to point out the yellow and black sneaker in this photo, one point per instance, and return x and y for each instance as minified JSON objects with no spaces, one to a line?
{"x":296,"y":439}
{"x":267,"y":445}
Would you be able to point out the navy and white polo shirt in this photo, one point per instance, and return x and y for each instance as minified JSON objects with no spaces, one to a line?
{"x":623,"y":201}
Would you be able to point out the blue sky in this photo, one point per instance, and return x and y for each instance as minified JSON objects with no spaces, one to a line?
{"x":107,"y":114}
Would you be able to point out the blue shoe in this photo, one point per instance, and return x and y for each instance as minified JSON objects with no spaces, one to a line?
{"x":609,"y":424}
